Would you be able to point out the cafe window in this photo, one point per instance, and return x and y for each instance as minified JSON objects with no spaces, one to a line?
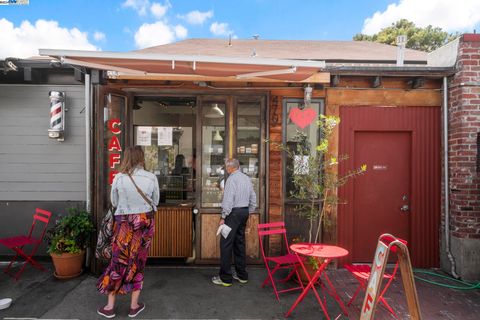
{"x":248,"y":140}
{"x":165,"y":129}
{"x":214,"y":142}
{"x":230,"y":127}
{"x":311,"y":133}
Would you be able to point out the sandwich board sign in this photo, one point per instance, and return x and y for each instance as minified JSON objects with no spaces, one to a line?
{"x":376,"y":276}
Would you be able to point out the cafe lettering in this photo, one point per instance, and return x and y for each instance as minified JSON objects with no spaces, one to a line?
{"x":114,"y":147}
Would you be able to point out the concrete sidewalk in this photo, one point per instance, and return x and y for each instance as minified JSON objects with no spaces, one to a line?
{"x":187,"y":293}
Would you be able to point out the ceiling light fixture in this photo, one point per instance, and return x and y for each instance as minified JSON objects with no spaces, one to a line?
{"x":217,"y":136}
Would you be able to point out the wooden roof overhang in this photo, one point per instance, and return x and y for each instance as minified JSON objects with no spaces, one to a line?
{"x":390,"y":71}
{"x":148,"y":66}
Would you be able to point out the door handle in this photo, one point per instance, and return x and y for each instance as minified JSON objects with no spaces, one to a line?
{"x":405,"y":208}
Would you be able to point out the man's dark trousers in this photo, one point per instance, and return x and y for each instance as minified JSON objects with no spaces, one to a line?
{"x":237,"y":220}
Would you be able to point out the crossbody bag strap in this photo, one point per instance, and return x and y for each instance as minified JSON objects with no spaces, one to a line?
{"x":141,"y":192}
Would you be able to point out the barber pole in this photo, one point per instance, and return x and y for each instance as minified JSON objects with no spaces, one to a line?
{"x":57,"y":115}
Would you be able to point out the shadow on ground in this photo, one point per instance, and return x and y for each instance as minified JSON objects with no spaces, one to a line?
{"x":187,"y":293}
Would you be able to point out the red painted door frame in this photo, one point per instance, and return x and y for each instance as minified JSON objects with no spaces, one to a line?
{"x":424,"y":125}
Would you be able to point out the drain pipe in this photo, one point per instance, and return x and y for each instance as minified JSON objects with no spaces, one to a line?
{"x":446,"y":178}
{"x":87,"y":141}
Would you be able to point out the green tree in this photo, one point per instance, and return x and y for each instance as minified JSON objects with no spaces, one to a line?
{"x":424,"y":39}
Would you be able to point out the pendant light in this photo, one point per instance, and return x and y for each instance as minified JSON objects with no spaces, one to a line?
{"x":217,"y":136}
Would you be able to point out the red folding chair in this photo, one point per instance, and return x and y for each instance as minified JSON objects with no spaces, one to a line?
{"x":17,"y":243}
{"x":361,"y":272}
{"x":287,"y":261}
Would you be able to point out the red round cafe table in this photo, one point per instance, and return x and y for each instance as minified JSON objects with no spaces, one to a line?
{"x":319,"y":250}
{"x":327,"y":252}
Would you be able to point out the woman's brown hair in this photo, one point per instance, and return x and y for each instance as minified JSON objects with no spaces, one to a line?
{"x":132,"y":158}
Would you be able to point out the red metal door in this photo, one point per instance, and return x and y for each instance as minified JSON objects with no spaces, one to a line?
{"x":388,"y":128}
{"x":382,"y":196}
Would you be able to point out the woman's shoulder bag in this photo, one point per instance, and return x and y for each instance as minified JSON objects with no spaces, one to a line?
{"x":103,"y":250}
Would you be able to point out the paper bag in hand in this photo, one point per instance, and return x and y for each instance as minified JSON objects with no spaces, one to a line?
{"x":224,"y":230}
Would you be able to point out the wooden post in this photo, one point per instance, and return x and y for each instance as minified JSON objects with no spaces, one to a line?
{"x":375,"y":281}
{"x":408,"y":282}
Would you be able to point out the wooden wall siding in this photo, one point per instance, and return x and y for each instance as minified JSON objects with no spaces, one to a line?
{"x":275,"y":171}
{"x":387,"y":83}
{"x":173,"y":233}
{"x":34,"y":167}
{"x":424,"y":123}
{"x":210,"y":243}
{"x":383,"y":97}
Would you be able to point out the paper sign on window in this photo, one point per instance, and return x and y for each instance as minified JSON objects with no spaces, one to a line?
{"x":144,"y":136}
{"x":300,"y":165}
{"x":165,"y":136}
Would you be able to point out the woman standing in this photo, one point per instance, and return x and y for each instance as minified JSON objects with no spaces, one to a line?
{"x":135,"y":194}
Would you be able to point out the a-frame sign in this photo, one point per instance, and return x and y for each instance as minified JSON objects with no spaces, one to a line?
{"x":385,"y":243}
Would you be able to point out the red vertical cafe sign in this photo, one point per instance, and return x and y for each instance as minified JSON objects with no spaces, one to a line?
{"x":114,"y":147}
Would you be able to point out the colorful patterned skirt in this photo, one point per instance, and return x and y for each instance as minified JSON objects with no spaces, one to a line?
{"x":132,"y":234}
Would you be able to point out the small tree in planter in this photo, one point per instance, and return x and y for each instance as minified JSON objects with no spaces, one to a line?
{"x":314,"y":179}
{"x":67,"y":241}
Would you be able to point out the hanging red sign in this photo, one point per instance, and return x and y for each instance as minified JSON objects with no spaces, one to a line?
{"x":302,"y":118}
{"x":114,"y":145}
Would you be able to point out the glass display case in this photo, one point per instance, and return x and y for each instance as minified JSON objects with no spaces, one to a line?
{"x":213,"y":153}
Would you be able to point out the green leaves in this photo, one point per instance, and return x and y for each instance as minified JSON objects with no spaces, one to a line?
{"x":424,"y":39}
{"x":315,"y":177}
{"x":71,"y":233}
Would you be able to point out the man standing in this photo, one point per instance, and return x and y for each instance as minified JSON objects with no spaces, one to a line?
{"x":239,"y":200}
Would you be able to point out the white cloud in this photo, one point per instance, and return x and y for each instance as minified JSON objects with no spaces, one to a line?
{"x":143,"y":7}
{"x":197,"y":17}
{"x":458,"y":15}
{"x":158,"y":33}
{"x":159,"y":10}
{"x":25,"y":40}
{"x":220,"y":29}
{"x":140,"y":6}
{"x":180,"y":31}
{"x":99,"y":36}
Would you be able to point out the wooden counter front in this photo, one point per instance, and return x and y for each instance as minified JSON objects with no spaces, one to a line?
{"x":173,"y":233}
{"x":210,"y":244}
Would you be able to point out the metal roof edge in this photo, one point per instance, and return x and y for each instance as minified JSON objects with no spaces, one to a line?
{"x":188,"y":58}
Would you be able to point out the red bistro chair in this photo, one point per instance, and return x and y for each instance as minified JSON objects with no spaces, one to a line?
{"x":17,"y":243}
{"x":287,"y":261}
{"x":361,"y":272}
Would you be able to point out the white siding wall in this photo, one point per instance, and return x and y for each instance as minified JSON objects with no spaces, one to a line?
{"x":32,"y":166}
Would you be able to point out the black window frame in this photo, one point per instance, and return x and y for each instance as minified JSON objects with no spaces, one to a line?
{"x":285,"y":102}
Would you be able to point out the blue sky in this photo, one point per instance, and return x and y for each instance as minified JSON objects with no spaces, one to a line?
{"x":123,"y":25}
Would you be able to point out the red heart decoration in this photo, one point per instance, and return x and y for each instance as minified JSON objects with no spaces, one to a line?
{"x":302,"y":118}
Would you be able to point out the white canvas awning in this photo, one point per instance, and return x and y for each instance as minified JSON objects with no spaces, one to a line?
{"x":137,"y":65}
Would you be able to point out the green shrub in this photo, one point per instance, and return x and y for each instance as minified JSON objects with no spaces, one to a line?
{"x":71,"y":233}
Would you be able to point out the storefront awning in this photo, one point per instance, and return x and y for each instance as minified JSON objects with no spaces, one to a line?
{"x":135,"y":65}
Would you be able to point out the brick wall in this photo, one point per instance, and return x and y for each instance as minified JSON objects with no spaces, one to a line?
{"x":464,"y":140}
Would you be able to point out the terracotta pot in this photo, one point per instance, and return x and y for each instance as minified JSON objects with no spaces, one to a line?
{"x":310,"y":270}
{"x":68,"y":265}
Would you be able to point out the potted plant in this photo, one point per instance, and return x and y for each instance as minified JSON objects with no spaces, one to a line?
{"x":67,"y":241}
{"x":315,"y":180}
